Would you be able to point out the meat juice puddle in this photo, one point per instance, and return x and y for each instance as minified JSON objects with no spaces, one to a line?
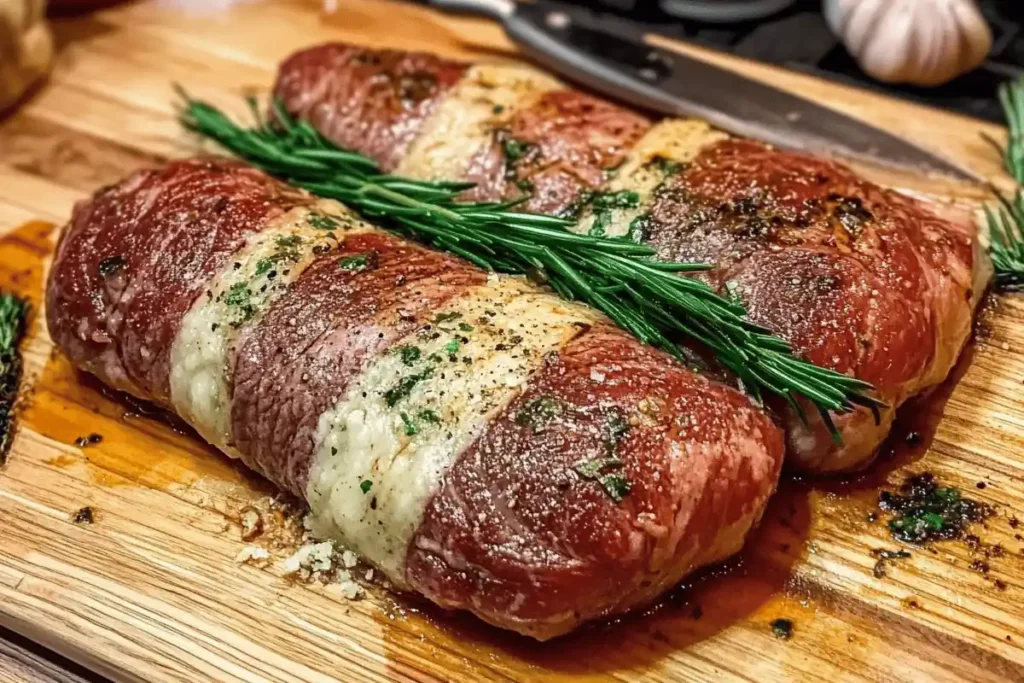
{"x":115,"y":434}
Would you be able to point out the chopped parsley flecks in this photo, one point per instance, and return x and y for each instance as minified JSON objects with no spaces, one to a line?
{"x":111,"y":265}
{"x":427,"y":415}
{"x":410,"y":425}
{"x":782,"y":629}
{"x":498,"y":108}
{"x":239,"y":297}
{"x":615,"y":483}
{"x":404,"y":387}
{"x":465,"y":327}
{"x":603,"y":203}
{"x":452,"y":347}
{"x":356,"y":261}
{"x":616,"y":486}
{"x":323,"y":222}
{"x":409,"y":353}
{"x":616,"y":428}
{"x":923,"y":511}
{"x":538,"y":412}
{"x":287,"y":250}
{"x":602,"y":220}
{"x":365,"y":485}
{"x":264,"y":265}
{"x":623,"y":199}
{"x":515,"y":149}
{"x":667,"y":167}
{"x":639,"y":229}
{"x":591,"y":469}
{"x":237,"y":294}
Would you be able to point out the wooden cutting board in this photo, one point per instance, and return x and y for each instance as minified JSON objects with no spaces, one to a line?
{"x":152,"y":591}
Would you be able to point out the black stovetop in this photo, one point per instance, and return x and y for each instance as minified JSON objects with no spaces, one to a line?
{"x":798,"y":38}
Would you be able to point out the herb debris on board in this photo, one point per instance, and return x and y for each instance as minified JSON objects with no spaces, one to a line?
{"x":924,"y":511}
{"x":13,"y":311}
{"x":1006,"y":222}
{"x":641,"y":294}
{"x":782,"y":629}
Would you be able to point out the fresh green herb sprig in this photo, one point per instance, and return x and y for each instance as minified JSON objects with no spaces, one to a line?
{"x":615,"y":275}
{"x":13,"y":311}
{"x":1011,"y":96}
{"x":1006,"y":222}
{"x":1006,"y":242}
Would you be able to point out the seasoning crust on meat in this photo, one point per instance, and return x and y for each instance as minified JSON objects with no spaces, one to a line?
{"x":860,"y":279}
{"x":478,"y":439}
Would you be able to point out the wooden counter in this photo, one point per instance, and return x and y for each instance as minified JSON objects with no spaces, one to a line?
{"x":152,"y":590}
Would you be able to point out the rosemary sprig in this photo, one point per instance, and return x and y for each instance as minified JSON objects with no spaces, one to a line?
{"x":1006,"y":222}
{"x":617,"y":276}
{"x":1006,"y":242}
{"x":12,"y":328}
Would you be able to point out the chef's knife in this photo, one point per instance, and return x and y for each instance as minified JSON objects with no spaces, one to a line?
{"x":618,"y":61}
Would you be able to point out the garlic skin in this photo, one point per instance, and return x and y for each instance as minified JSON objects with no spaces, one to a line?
{"x":26,"y":47}
{"x":920,"y":42}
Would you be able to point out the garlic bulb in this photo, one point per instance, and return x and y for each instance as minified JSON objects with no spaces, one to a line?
{"x":26,"y":47}
{"x":923,"y":42}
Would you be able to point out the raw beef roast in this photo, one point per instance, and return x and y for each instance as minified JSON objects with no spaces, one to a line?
{"x":864,"y":280}
{"x":479,"y":440}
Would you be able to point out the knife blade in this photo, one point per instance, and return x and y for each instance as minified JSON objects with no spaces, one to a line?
{"x":618,"y":61}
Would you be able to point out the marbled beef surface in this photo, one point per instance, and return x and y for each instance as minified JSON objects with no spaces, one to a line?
{"x":387,"y":94}
{"x":321,"y":332}
{"x":137,"y":254}
{"x":857,"y":278}
{"x":483,"y":442}
{"x":563,"y":144}
{"x":512,"y":536}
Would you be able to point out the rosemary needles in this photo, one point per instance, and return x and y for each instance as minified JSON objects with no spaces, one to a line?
{"x":12,"y":327}
{"x":622,"y":279}
{"x":1006,"y":223}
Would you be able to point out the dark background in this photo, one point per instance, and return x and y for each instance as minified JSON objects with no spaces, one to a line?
{"x":798,"y":38}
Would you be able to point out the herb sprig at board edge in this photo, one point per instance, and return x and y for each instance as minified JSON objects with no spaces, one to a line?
{"x":1006,"y":221}
{"x":13,"y":311}
{"x":617,"y":276}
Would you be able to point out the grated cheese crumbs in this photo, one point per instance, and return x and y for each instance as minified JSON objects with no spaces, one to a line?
{"x":313,"y":557}
{"x":252,"y":553}
{"x":322,"y":563}
{"x":349,"y":559}
{"x":351,"y":590}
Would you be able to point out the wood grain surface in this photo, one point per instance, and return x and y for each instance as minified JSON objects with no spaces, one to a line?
{"x":151,"y":590}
